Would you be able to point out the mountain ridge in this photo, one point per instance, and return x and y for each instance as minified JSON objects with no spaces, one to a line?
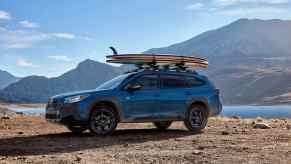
{"x":249,"y":62}
{"x":87,"y":75}
{"x":6,"y":78}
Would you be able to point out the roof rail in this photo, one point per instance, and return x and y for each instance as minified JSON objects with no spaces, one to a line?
{"x":155,"y":67}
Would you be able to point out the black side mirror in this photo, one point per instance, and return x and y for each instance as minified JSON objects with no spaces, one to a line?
{"x":133,"y":87}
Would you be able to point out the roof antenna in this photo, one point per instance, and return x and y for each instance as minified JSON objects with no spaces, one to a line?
{"x":114,"y":50}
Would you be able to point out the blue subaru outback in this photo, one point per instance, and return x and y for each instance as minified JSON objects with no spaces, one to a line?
{"x":157,"y":96}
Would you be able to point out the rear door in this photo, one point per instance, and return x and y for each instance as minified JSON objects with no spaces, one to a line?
{"x":174,"y":95}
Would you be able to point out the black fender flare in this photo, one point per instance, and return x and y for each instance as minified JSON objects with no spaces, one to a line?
{"x":111,"y":101}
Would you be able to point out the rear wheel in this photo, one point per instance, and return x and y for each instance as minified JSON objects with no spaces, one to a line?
{"x":196,"y":118}
{"x":163,"y":125}
{"x":77,"y":129}
{"x":103,"y":121}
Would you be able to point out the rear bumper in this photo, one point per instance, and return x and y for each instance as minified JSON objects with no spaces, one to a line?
{"x":214,"y":105}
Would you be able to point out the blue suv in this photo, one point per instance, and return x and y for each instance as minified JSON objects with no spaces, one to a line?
{"x":157,"y":96}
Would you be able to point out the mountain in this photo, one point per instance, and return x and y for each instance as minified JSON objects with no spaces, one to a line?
{"x":6,"y":78}
{"x":249,"y":60}
{"x":87,"y":75}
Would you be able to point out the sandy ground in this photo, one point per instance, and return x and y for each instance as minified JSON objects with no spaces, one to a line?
{"x":29,"y":139}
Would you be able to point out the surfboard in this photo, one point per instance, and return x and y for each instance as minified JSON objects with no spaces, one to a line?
{"x":148,"y":59}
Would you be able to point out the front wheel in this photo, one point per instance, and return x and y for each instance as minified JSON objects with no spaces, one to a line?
{"x":103,"y":121}
{"x":196,"y":118}
{"x":162,"y":125}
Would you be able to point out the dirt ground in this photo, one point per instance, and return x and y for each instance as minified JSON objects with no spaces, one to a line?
{"x":29,"y":139}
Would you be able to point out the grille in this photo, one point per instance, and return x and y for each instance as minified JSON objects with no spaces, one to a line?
{"x":52,"y":103}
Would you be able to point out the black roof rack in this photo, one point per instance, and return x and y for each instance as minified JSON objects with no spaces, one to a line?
{"x":155,"y":67}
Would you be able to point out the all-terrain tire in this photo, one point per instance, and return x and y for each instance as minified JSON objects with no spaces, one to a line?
{"x":162,"y":125}
{"x":77,"y":129}
{"x":103,"y":121}
{"x":196,"y":118}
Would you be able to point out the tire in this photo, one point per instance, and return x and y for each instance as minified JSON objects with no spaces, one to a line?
{"x":163,"y":125}
{"x":77,"y":129}
{"x":196,"y":118}
{"x":103,"y":121}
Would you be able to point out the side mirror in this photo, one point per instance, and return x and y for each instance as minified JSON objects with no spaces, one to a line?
{"x":133,"y":87}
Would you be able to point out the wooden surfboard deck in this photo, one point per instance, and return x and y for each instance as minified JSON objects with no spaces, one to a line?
{"x":139,"y":59}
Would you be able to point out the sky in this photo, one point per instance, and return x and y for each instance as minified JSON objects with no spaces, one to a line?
{"x":50,"y":37}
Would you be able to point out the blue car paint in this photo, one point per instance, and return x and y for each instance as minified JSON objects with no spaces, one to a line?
{"x":141,"y":105}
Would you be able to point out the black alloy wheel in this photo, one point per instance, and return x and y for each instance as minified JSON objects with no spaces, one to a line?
{"x":103,"y":121}
{"x":196,"y":118}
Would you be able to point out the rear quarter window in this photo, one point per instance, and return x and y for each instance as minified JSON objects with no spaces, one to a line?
{"x":193,"y":81}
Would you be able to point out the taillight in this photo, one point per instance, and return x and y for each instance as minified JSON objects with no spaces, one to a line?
{"x":217,"y":91}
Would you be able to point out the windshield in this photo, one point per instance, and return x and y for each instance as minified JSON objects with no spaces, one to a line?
{"x":113,"y":83}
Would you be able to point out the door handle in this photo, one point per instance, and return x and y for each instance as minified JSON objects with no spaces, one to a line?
{"x":188,"y":93}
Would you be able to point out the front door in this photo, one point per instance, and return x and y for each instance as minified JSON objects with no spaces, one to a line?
{"x":143,"y":103}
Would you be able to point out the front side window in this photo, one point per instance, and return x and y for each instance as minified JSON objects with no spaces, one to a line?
{"x":113,"y":83}
{"x":148,"y":82}
{"x":174,"y":81}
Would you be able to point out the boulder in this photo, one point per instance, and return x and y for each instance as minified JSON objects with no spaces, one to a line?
{"x":262,"y":126}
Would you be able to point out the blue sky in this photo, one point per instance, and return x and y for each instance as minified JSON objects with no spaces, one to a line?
{"x":50,"y":37}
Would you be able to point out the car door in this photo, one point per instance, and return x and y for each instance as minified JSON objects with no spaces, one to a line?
{"x":173,"y":96}
{"x":143,"y":103}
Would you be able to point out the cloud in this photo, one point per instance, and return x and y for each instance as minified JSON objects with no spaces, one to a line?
{"x":244,"y":8}
{"x":25,"y":63}
{"x":19,"y":39}
{"x":86,"y":38}
{"x":11,"y":39}
{"x":64,"y":35}
{"x":18,"y":45}
{"x":60,"y":58}
{"x":236,"y":2}
{"x":4,"y":15}
{"x":195,"y":6}
{"x":253,"y":11}
{"x":28,"y":24}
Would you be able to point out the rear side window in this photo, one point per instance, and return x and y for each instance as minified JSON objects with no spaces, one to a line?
{"x":148,"y":82}
{"x":173,"y":81}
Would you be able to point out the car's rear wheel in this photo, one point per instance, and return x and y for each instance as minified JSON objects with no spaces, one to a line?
{"x":77,"y":129}
{"x":162,"y":125}
{"x":103,"y":120}
{"x":196,"y":118}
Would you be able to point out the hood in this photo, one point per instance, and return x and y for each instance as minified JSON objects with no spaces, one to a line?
{"x":83,"y":92}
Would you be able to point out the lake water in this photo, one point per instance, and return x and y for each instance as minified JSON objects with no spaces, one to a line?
{"x":242,"y":111}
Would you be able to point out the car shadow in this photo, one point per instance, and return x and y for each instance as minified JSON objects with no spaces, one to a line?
{"x":67,"y":142}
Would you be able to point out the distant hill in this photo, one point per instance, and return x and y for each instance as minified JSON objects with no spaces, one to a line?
{"x":249,"y":59}
{"x":6,"y":78}
{"x":87,"y":75}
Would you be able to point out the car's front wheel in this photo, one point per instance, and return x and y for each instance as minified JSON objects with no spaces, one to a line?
{"x":162,"y":125}
{"x":77,"y":129}
{"x":196,"y":118}
{"x":103,"y":121}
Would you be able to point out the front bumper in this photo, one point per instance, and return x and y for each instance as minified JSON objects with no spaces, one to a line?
{"x":52,"y":115}
{"x":67,"y":114}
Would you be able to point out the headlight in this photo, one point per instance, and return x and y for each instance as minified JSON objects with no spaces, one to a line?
{"x":74,"y":99}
